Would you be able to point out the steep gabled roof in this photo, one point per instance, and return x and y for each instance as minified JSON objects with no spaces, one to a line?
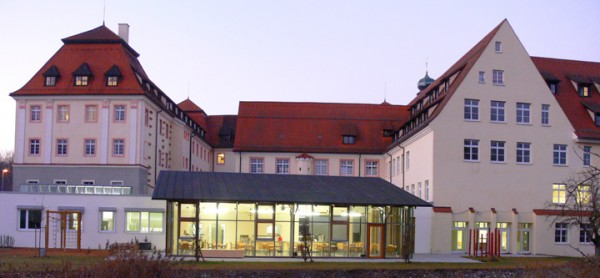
{"x":194,"y":111}
{"x":454,"y":76}
{"x":315,"y":127}
{"x":98,"y":35}
{"x":563,"y":73}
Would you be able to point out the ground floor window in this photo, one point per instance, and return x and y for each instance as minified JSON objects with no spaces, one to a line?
{"x":144,"y":221}
{"x":523,"y":237}
{"x":30,"y":219}
{"x":107,"y":220}
{"x":504,"y":231}
{"x":560,"y":232}
{"x":585,"y":232}
{"x":459,"y":236}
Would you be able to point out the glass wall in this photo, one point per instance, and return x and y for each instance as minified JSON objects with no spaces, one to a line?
{"x":274,"y":229}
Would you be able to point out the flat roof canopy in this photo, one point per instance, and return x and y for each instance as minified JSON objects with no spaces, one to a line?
{"x":303,"y":189}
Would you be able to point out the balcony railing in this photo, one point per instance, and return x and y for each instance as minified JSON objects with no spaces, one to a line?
{"x":75,"y":189}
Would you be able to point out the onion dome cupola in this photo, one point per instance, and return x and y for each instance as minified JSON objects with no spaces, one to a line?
{"x":425,"y":81}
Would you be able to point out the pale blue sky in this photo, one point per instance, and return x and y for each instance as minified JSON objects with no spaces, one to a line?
{"x":223,"y":52}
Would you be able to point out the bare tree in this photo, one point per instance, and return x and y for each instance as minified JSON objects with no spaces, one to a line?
{"x":577,"y":202}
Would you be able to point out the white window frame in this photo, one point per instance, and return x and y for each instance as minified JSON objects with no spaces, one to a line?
{"x":497,"y":111}
{"x":256,"y":165}
{"x":321,"y":167}
{"x":140,"y":214}
{"x":372,"y":168}
{"x":523,"y":113}
{"x":91,"y":113}
{"x":472,"y":145}
{"x":498,"y":152}
{"x":561,"y":230}
{"x":282,"y":166}
{"x":545,"y":114}
{"x":35,"y":113}
{"x":119,"y":113}
{"x":481,"y":77}
{"x":34,"y":144}
{"x":587,"y":156}
{"x":523,"y":153}
{"x":585,"y":237}
{"x":101,"y":212}
{"x":62,"y":113}
{"x":498,"y":77}
{"x":118,"y":147}
{"x":559,"y":193}
{"x":346,"y":167}
{"x":559,"y":155}
{"x":498,"y":47}
{"x":28,"y":212}
{"x":62,"y":147}
{"x":471,"y":110}
{"x":89,"y":147}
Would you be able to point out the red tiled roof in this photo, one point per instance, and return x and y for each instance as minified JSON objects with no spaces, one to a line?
{"x":461,"y":68}
{"x":551,"y":212}
{"x":97,"y":35}
{"x":195,"y":112}
{"x":315,"y":127}
{"x":304,"y":156}
{"x":574,"y":106}
{"x":442,"y":209}
{"x":219,"y":125}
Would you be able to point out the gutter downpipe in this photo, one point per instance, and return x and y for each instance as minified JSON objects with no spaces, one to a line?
{"x":240,"y":162}
{"x":403,"y":161}
{"x":156,"y":147}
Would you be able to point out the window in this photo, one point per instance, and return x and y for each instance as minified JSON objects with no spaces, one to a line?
{"x":583,"y":90}
{"x":419,"y":190}
{"x":63,"y":113}
{"x":584,"y":195}
{"x":471,"y":150}
{"x":597,"y":119}
{"x":497,"y":111}
{"x":407,"y":162}
{"x":553,"y":87}
{"x":523,"y":152}
{"x":256,"y":165}
{"x":498,"y":47}
{"x":144,"y":222}
{"x":73,"y":221}
{"x":460,"y":233}
{"x":220,"y":158}
{"x":482,"y":77}
{"x":112,"y":81}
{"x":119,"y":113}
{"x":61,"y":147}
{"x":89,"y":147}
{"x":118,"y":147}
{"x":91,"y":113}
{"x":585,"y":233}
{"x":88,"y":182}
{"x":545,"y":114}
{"x":30,"y":219}
{"x":50,"y":81}
{"x":498,"y":77}
{"x":283,"y":166}
{"x":523,"y":113}
{"x":349,"y":139}
{"x":393,"y":166}
{"x":497,"y":151}
{"x":587,"y":155}
{"x":371,"y":168}
{"x":81,"y":80}
{"x":560,"y":232}
{"x":34,"y":146}
{"x":471,"y":109}
{"x":560,"y":154}
{"x":36,"y":113}
{"x":559,"y":193}
{"x":427,"y":190}
{"x":346,"y":168}
{"x":60,"y":181}
{"x":107,"y":221}
{"x":321,"y":167}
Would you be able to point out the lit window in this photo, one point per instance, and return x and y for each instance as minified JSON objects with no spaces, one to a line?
{"x":583,"y":90}
{"x":112,"y":76}
{"x":112,"y":81}
{"x":559,"y":193}
{"x":283,"y":166}
{"x":36,"y":113}
{"x":497,"y":111}
{"x":107,"y":221}
{"x":91,"y":113}
{"x":371,"y":168}
{"x":119,"y":113}
{"x":118,"y":147}
{"x":73,"y":221}
{"x":498,"y":77}
{"x":560,"y":232}
{"x":559,"y":154}
{"x":523,"y":152}
{"x":34,"y":146}
{"x":471,"y":150}
{"x":256,"y":165}
{"x":90,"y":147}
{"x":585,"y":233}
{"x":482,"y":77}
{"x":349,"y":139}
{"x":63,"y":113}
{"x":50,"y":81}
{"x":497,"y":151}
{"x":321,"y":167}
{"x":498,"y":47}
{"x":220,"y":158}
{"x":81,"y":80}
{"x":587,"y":155}
{"x":523,"y":113}
{"x":144,"y":222}
{"x":61,"y":147}
{"x":30,"y":219}
{"x":584,"y":195}
{"x":346,"y":168}
{"x":545,"y":114}
{"x":471,"y":109}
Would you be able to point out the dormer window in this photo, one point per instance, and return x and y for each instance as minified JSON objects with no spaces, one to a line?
{"x":50,"y":76}
{"x":349,"y":139}
{"x":583,"y":90}
{"x":112,"y":76}
{"x":82,"y":75}
{"x":553,"y":87}
{"x":388,"y":133}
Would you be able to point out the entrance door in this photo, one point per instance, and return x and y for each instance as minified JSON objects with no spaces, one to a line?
{"x":523,"y":237}
{"x":375,"y":240}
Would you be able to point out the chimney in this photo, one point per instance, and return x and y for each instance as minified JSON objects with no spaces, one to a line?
{"x":124,"y":32}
